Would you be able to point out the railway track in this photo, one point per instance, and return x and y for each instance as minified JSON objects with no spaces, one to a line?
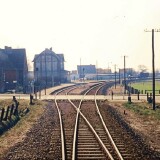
{"x":80,"y":129}
{"x":84,"y":131}
{"x":94,"y":137}
{"x":111,"y":148}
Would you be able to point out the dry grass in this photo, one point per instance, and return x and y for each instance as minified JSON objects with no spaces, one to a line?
{"x":143,"y":120}
{"x":143,"y":109}
{"x":17,"y":133}
{"x":8,"y":102}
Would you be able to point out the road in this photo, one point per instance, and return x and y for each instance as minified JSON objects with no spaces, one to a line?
{"x":41,"y":95}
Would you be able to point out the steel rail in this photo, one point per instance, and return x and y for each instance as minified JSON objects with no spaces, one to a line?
{"x":90,"y":126}
{"x":92,"y":129}
{"x":61,"y":124}
{"x":62,"y":131}
{"x":76,"y":124}
{"x":106,"y":129}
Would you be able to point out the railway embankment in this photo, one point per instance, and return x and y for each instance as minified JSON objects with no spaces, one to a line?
{"x":143,"y":121}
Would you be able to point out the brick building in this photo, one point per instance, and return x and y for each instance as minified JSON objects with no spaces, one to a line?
{"x":13,"y":69}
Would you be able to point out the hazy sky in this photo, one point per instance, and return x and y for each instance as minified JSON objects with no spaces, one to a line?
{"x":93,"y":30}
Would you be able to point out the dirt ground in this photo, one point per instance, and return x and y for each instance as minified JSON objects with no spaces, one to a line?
{"x":148,"y":128}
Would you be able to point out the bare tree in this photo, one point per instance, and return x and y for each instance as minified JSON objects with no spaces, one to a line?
{"x":157,"y":71}
{"x":142,"y":68}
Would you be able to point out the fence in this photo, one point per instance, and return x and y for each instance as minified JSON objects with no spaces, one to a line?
{"x":135,"y":91}
{"x":9,"y":111}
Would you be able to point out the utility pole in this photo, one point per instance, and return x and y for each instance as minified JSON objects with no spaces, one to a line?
{"x":83,"y":74}
{"x":119,"y":77}
{"x":153,"y":67}
{"x":115,"y":74}
{"x":108,"y":65}
{"x":46,"y":70}
{"x":124,"y":74}
{"x":80,"y":70}
{"x":97,"y":69}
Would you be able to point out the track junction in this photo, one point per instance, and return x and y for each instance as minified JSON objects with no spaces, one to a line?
{"x":81,"y":129}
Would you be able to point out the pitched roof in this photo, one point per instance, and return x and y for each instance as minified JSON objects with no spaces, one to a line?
{"x":60,"y":57}
{"x":18,"y":57}
{"x":15,"y":58}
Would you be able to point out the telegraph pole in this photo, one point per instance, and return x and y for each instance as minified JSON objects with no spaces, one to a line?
{"x":153,"y":67}
{"x":115,"y":75}
{"x":119,"y":77}
{"x":80,"y":69}
{"x":97,"y":69}
{"x":124,"y":74}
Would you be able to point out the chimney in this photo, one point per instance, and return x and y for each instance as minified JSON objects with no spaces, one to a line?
{"x":8,"y":50}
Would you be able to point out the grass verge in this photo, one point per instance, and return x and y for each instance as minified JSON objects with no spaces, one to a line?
{"x":146,"y":85}
{"x":17,"y":133}
{"x":143,"y":109}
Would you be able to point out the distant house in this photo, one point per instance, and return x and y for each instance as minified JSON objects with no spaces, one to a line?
{"x":128,"y":72}
{"x":13,"y":69}
{"x":85,"y":69}
{"x":103,"y":71}
{"x":49,"y":69}
{"x":74,"y":75}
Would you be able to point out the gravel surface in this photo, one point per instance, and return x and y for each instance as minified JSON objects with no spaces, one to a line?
{"x":132,"y":139}
{"x":43,"y":140}
{"x":36,"y":145}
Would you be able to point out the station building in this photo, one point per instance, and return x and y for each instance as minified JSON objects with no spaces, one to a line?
{"x":49,"y":69}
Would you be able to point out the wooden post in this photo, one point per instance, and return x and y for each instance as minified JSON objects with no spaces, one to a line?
{"x":129,"y":99}
{"x":147,"y":96}
{"x":112,"y":95}
{"x":132,"y":90}
{"x":40,"y":94}
{"x":35,"y":92}
{"x":31,"y":99}
{"x":6,"y":116}
{"x":45,"y":90}
{"x":14,"y":98}
{"x":2,"y":114}
{"x":138,"y":95}
{"x":11,"y":111}
{"x":16,"y":109}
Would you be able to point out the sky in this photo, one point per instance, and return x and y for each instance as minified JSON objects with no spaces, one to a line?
{"x":98,"y":32}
